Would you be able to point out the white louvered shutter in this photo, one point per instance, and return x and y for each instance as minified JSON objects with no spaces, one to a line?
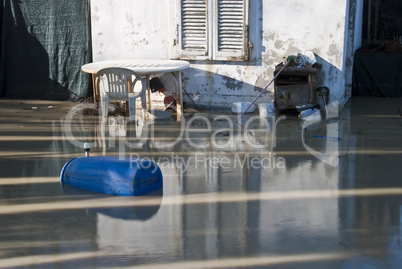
{"x":194,"y":29}
{"x":231,"y":30}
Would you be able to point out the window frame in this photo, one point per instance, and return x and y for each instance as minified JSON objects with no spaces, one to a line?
{"x":212,"y":35}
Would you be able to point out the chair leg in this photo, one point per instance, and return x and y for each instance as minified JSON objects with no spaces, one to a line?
{"x":131,"y":108}
{"x":105,"y":106}
{"x":143,"y":97}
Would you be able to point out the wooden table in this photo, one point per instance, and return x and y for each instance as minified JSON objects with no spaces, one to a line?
{"x":295,"y":86}
{"x":145,"y":68}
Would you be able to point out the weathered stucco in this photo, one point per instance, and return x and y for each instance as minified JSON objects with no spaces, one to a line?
{"x":128,"y":29}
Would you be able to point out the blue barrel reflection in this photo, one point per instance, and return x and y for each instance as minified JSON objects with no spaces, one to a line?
{"x":139,"y":208}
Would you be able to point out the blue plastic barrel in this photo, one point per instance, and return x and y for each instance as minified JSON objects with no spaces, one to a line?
{"x":112,"y":175}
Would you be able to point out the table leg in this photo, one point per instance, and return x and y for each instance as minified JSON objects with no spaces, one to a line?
{"x":95,"y":88}
{"x":179,"y":96}
{"x":148,"y":96}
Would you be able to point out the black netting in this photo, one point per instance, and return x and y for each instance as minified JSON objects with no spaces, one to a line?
{"x":44,"y":44}
{"x":377,"y":74}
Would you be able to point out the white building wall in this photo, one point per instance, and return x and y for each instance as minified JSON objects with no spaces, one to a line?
{"x":130,"y":29}
{"x":135,"y":29}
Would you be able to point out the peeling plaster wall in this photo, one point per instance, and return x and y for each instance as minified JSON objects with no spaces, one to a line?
{"x":129,"y":29}
{"x":134,"y":29}
{"x":320,"y":26}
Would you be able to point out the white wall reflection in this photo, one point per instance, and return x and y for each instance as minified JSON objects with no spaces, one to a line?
{"x":198,"y":218}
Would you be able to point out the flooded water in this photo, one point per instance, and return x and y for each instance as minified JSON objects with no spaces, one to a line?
{"x":275,"y":194}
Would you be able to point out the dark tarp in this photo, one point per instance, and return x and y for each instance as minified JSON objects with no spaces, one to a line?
{"x":377,"y":74}
{"x":43,"y":46}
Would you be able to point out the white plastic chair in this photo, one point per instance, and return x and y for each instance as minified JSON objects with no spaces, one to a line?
{"x":119,"y":85}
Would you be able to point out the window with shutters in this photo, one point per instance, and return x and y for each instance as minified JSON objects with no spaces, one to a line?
{"x":213,"y":30}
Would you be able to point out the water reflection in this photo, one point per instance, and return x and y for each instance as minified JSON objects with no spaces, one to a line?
{"x":271,"y":197}
{"x":128,"y":209}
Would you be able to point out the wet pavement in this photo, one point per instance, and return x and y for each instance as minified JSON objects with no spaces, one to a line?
{"x":275,"y":193}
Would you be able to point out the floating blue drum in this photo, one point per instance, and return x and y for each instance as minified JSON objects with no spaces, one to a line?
{"x":112,"y":175}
